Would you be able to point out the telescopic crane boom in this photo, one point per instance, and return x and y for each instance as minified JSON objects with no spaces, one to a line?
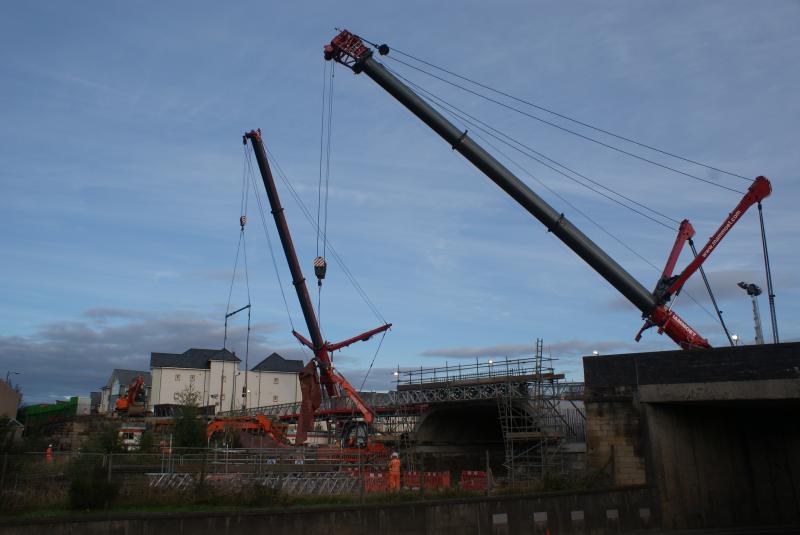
{"x":349,"y":50}
{"x":320,"y":370}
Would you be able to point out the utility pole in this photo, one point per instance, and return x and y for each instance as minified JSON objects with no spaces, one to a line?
{"x":754,"y":291}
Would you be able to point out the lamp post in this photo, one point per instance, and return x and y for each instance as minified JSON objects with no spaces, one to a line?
{"x":735,"y":338}
{"x":8,"y":376}
{"x":754,"y":291}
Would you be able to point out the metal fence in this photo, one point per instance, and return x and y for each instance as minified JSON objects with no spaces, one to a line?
{"x":322,"y":469}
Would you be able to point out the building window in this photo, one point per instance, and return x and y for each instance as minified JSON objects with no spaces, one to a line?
{"x":222,"y":396}
{"x":274,"y":399}
{"x":191,"y":378}
{"x":175,"y":396}
{"x":177,"y":377}
{"x":275,"y":381}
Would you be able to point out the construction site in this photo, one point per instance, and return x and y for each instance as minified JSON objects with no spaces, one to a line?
{"x":693,"y":437}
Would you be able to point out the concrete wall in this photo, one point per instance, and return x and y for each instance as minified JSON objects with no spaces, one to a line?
{"x":725,"y":465}
{"x":598,"y":513}
{"x":715,"y":431}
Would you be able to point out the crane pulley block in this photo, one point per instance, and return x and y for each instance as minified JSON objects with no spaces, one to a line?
{"x":320,"y":268}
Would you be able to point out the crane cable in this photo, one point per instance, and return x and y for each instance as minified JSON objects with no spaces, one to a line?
{"x":261,"y":211}
{"x":527,"y":150}
{"x":560,"y":115}
{"x":325,"y":135}
{"x":334,"y":253}
{"x":429,"y":97}
{"x":241,"y":247}
{"x":567,"y":130}
{"x":770,"y":289}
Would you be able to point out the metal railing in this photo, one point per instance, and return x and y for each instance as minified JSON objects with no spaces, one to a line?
{"x":490,"y":369}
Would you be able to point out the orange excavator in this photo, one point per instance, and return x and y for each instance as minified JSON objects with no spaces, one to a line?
{"x":259,"y":424}
{"x":134,"y":401}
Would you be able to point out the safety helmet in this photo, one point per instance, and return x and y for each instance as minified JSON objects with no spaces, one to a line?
{"x":394,"y":454}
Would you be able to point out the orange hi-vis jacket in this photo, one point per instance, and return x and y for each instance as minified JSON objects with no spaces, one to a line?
{"x":394,"y":466}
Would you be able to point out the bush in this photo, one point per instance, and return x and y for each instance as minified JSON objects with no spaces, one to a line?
{"x":260,"y":496}
{"x":89,"y":486}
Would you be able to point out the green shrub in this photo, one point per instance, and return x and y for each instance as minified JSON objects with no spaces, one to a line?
{"x":89,"y":486}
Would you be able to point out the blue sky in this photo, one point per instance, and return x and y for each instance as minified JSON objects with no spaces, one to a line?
{"x":120,"y":181}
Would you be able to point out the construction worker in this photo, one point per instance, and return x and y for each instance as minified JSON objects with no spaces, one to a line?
{"x":394,"y":472}
{"x":48,"y":453}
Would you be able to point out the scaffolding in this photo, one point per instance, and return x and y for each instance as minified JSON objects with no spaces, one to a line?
{"x":536,"y":407}
{"x":533,"y":428}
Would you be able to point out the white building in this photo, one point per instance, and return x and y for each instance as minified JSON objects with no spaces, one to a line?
{"x":214,"y":374}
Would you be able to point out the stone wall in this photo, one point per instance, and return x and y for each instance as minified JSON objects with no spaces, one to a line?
{"x":614,"y":440}
{"x":596,"y":512}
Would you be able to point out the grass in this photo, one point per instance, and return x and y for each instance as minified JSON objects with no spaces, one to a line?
{"x":137,"y":497}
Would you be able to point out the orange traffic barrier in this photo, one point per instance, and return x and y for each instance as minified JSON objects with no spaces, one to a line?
{"x":380,"y":481}
{"x":427,"y":480}
{"x":375,"y":482}
{"x":473,"y":480}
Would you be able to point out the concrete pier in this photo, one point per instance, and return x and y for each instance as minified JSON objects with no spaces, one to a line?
{"x":717,"y":431}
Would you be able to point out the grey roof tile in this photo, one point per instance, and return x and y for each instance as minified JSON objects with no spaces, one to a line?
{"x":276,"y":363}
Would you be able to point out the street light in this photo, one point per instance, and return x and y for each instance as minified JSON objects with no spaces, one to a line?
{"x":8,"y":376}
{"x":735,"y":338}
{"x":595,"y":353}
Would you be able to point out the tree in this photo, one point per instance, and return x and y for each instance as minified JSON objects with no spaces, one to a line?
{"x":105,"y":440}
{"x":190,"y":429}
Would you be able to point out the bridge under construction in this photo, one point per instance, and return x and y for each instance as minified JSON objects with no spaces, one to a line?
{"x":519,"y":416}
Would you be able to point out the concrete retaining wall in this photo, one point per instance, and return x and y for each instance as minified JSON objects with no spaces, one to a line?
{"x":595,"y":512}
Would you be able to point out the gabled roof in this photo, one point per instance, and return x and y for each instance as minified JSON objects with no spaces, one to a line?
{"x":194,"y":358}
{"x":125,"y":377}
{"x":276,"y":363}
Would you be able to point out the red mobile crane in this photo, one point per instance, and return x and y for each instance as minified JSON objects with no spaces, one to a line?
{"x":320,"y":370}
{"x":349,"y":50}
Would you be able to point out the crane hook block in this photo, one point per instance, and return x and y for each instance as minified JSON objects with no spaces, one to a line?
{"x":320,"y":267}
{"x":242,"y":221}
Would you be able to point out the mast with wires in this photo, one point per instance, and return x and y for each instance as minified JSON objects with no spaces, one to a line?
{"x":241,"y":248}
{"x":320,"y":370}
{"x":754,"y":291}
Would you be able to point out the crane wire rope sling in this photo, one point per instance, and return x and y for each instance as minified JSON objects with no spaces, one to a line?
{"x":241,"y":247}
{"x":323,"y":187}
